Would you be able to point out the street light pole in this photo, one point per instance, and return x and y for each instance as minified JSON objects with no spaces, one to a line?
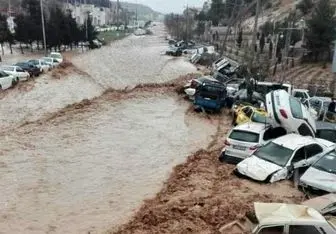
{"x":43,"y":29}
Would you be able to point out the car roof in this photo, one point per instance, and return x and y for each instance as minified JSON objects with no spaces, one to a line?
{"x":302,"y":90}
{"x":293,"y":141}
{"x":279,"y":213}
{"x":325,"y":125}
{"x":252,"y":127}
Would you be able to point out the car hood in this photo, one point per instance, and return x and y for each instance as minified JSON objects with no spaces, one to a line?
{"x":319,"y":179}
{"x":256,"y":168}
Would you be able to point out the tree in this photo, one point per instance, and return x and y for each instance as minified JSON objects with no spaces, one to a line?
{"x":21,"y":34}
{"x":321,"y":29}
{"x":217,"y":11}
{"x":34,"y":24}
{"x":262,"y":42}
{"x":240,"y":38}
{"x":4,"y":31}
{"x":305,"y":6}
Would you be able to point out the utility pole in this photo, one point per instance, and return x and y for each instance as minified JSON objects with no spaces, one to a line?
{"x":187,"y":26}
{"x":43,"y":30}
{"x":117,"y":15}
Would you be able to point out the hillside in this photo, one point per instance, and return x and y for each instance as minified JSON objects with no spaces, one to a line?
{"x":144,"y":12}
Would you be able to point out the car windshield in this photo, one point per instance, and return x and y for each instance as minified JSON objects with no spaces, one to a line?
{"x":274,"y":153}
{"x":55,"y":56}
{"x":3,"y":74}
{"x":33,"y":61}
{"x":245,"y":136}
{"x":327,"y":163}
{"x":259,"y":118}
{"x":296,"y":109}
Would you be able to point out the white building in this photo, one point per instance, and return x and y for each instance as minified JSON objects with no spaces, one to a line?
{"x":99,"y":15}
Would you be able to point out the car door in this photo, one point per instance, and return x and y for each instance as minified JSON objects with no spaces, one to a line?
{"x":313,"y":153}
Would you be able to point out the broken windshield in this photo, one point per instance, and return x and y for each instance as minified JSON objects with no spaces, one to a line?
{"x":274,"y":153}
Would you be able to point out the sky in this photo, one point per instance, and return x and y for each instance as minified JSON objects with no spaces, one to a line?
{"x":168,"y":6}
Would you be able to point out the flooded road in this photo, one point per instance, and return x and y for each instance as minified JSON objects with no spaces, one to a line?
{"x":89,"y":167}
{"x":87,"y":171}
{"x":124,"y":63}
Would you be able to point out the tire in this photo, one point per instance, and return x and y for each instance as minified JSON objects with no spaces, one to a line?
{"x":0,"y":88}
{"x":13,"y":83}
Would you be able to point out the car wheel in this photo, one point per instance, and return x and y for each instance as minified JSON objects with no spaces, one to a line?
{"x":13,"y":83}
{"x":0,"y":88}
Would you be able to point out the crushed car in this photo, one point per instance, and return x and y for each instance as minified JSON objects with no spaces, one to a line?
{"x":326,"y":130}
{"x":278,"y":159}
{"x":244,"y":139}
{"x":246,"y":113}
{"x":210,"y":96}
{"x":325,"y":204}
{"x":281,"y":218}
{"x":287,"y":111}
{"x":321,"y":176}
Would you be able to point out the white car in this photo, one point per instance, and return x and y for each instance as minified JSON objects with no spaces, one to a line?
{"x":244,"y":139}
{"x":57,"y":56}
{"x":6,"y":80}
{"x":278,"y":159}
{"x":325,"y":204}
{"x":321,"y":175}
{"x":50,"y":61}
{"x":44,"y":67}
{"x":16,"y":71}
{"x":286,"y":111}
{"x":280,"y":218}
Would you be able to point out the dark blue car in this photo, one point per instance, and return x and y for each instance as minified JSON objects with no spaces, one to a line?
{"x":210,"y":96}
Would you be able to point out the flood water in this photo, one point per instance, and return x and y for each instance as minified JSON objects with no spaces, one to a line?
{"x":89,"y":169}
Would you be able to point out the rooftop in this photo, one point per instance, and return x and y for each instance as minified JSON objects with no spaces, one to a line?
{"x":293,"y":141}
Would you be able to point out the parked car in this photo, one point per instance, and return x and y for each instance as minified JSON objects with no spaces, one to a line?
{"x":321,"y":176}
{"x":50,"y":61}
{"x":285,"y":110}
{"x":31,"y":69}
{"x":6,"y":80}
{"x":57,"y":56}
{"x":16,"y":71}
{"x":325,"y":204}
{"x":326,"y":130}
{"x":232,"y":86}
{"x":277,"y":159}
{"x":210,"y":96}
{"x":244,"y":139}
{"x":43,"y":66}
{"x":244,"y":114}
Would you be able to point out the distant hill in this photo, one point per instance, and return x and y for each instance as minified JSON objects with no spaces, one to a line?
{"x":144,"y":12}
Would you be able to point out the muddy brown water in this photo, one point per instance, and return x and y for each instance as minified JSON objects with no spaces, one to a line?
{"x":89,"y":169}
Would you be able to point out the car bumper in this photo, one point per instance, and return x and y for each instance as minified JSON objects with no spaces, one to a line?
{"x":224,"y":157}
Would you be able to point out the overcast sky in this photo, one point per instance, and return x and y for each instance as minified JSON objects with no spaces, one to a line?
{"x":168,"y":6}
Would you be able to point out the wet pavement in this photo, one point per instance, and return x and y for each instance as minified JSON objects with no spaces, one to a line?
{"x":88,"y":169}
